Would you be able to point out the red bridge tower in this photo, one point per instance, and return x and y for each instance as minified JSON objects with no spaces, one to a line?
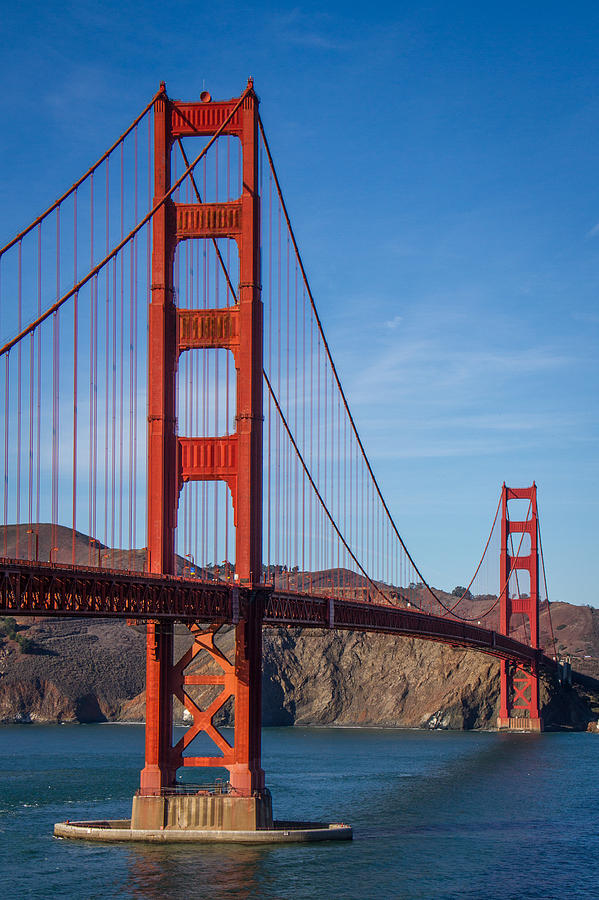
{"x":235,"y":458}
{"x":519,"y":684}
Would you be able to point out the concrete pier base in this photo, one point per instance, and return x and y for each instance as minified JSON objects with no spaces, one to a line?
{"x":208,"y":814}
{"x":519,"y":723}
{"x":279,"y":833}
{"x":202,"y":811}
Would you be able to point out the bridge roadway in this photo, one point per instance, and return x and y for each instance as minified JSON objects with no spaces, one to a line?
{"x":47,"y":589}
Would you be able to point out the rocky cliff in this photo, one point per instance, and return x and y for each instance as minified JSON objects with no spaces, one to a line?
{"x":93,"y":670}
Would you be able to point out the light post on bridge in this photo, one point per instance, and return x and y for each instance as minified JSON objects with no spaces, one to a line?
{"x":37,"y":542}
{"x":191,"y":563}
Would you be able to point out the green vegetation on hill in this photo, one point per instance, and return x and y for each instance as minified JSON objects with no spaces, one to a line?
{"x":8,"y":629}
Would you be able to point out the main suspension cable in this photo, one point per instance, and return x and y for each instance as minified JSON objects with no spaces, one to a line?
{"x":545,"y":582}
{"x":161,"y":92}
{"x":467,"y":590}
{"x":346,"y":405}
{"x":338,"y":381}
{"x":77,"y":287}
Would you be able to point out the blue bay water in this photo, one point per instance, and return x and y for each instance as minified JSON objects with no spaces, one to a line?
{"x":435,"y":815}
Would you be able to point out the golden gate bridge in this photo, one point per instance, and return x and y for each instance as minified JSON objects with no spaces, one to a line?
{"x":168,"y":389}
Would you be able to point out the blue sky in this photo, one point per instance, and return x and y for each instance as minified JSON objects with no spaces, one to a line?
{"x":439,"y":163}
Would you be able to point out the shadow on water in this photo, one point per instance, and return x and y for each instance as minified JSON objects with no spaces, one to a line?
{"x":430,"y":802}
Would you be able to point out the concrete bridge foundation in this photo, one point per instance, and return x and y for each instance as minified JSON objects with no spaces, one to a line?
{"x":203,"y":811}
{"x":519,"y":723}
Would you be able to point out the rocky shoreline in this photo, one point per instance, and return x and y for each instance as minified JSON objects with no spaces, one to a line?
{"x":94,"y":670}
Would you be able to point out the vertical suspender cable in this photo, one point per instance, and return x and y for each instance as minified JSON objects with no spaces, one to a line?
{"x":19,"y":381}
{"x":6,"y":444}
{"x":75,"y":367}
{"x":121,"y":423}
{"x":55,"y":390}
{"x":108,"y":539}
{"x":39,"y":380}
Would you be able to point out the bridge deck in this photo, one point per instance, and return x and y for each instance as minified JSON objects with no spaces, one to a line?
{"x":46,"y":589}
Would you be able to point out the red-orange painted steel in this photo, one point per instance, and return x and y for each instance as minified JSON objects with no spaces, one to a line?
{"x":519,"y":686}
{"x":35,"y":588}
{"x":235,"y":459}
{"x":162,"y":456}
{"x":247,"y":774}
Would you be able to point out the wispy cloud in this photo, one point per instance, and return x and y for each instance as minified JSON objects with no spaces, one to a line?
{"x":440,"y":373}
{"x":474,"y":436}
{"x":318,"y":31}
{"x":394,"y":322}
{"x":442,"y":396}
{"x":594,"y":231}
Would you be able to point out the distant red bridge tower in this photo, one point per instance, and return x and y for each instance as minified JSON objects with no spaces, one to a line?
{"x":519,"y":684}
